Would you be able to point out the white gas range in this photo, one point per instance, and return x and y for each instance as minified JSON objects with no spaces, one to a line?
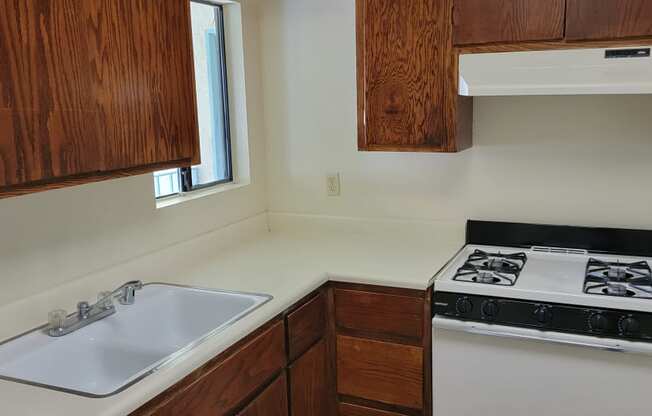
{"x":544,"y":329}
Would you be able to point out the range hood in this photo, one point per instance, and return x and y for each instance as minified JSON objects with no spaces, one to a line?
{"x":558,"y":72}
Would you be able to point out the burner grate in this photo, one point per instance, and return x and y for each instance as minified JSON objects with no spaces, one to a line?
{"x":492,"y":268}
{"x":618,"y":279}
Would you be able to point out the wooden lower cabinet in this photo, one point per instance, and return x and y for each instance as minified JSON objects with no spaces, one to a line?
{"x":310,"y":386}
{"x":383,"y":350}
{"x":273,"y":401}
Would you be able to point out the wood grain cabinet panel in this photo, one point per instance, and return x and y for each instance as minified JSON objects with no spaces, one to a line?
{"x":310,"y":386}
{"x":407,"y":77}
{"x":380,"y":313}
{"x":489,"y":21}
{"x":347,"y":409}
{"x":89,"y":88}
{"x":380,"y":371}
{"x":608,"y":19}
{"x":273,"y":401}
{"x":306,"y":325}
{"x":227,"y":385}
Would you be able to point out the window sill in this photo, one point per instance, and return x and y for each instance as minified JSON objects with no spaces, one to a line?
{"x":201,"y":193}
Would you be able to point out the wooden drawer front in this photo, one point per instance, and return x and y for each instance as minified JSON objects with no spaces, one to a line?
{"x":273,"y":401}
{"x":489,"y":21}
{"x":393,"y":315}
{"x":355,"y":410}
{"x":310,"y":390}
{"x":306,"y":325}
{"x":380,"y":371}
{"x":608,"y":19}
{"x":236,"y":378}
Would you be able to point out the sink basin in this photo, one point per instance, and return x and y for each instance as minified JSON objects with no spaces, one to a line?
{"x":112,"y":354}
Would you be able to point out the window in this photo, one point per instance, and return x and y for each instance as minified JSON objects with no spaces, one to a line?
{"x":212,"y":107}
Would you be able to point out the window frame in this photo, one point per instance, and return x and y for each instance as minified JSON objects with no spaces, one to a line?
{"x":185,"y":173}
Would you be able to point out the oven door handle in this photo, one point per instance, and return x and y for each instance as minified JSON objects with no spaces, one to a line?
{"x":545,"y":339}
{"x":527,"y":334}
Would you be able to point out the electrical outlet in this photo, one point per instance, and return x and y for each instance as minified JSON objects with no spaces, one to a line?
{"x":333,"y":184}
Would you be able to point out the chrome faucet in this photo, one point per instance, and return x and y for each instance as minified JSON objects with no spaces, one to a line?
{"x":60,"y":323}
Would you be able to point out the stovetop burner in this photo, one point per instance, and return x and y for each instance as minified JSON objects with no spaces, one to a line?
{"x":618,"y":279}
{"x":491,"y":268}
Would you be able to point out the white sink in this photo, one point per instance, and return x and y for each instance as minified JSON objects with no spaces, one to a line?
{"x":112,"y":354}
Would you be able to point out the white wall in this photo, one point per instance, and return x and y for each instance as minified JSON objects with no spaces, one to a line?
{"x":57,"y":236}
{"x":575,"y":160}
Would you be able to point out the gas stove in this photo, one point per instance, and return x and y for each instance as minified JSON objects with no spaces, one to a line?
{"x":565,"y":308}
{"x":526,"y":278}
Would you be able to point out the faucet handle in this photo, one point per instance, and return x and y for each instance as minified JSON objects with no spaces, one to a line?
{"x":57,"y":318}
{"x":128,"y":292}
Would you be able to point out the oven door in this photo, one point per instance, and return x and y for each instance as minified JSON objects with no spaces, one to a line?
{"x":493,"y":370}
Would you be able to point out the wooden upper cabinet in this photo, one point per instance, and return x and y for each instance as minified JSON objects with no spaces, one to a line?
{"x":91,"y":89}
{"x":407,"y":77}
{"x":493,"y":21}
{"x":608,"y":19}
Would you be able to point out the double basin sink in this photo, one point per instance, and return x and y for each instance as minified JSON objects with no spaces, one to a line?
{"x":108,"y":356}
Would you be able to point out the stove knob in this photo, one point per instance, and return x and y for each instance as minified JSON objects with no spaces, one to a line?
{"x":628,"y":325}
{"x":464,"y":305}
{"x":598,"y":322}
{"x":543,"y":314}
{"x":490,"y":308}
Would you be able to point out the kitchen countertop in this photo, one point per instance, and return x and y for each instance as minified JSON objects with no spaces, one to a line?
{"x":286,"y":256}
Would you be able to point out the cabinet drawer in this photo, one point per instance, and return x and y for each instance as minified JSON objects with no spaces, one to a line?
{"x":234,"y":379}
{"x":380,"y":313}
{"x":273,"y":401}
{"x":489,"y":21}
{"x":306,"y":325}
{"x":355,"y":410}
{"x":608,"y":19}
{"x":380,"y":371}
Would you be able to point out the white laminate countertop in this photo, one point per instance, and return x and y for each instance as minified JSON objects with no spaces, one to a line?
{"x":286,"y":256}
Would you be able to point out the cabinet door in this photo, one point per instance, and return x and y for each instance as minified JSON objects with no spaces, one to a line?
{"x":489,"y":21}
{"x":407,"y":77}
{"x":305,"y":325}
{"x":273,"y":401}
{"x":92,"y":88}
{"x":608,"y":19}
{"x":380,"y":371}
{"x":310,"y":389}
